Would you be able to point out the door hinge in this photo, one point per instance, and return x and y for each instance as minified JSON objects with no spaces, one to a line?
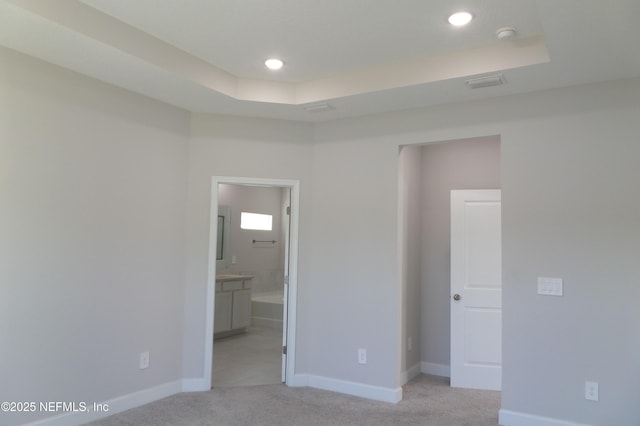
{"x":284,"y":350}
{"x":288,"y":210}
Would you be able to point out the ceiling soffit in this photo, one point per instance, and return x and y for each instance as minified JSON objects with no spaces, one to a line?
{"x":80,"y":21}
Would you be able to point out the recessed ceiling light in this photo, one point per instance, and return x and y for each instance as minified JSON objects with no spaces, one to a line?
{"x":460,"y":18}
{"x":274,"y":64}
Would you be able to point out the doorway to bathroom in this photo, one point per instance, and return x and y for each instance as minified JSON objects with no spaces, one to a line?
{"x":252,"y":275}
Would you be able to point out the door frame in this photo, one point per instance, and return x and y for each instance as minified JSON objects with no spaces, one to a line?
{"x":292,"y":288}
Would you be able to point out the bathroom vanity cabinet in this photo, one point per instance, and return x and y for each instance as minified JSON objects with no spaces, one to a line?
{"x":232,"y":304}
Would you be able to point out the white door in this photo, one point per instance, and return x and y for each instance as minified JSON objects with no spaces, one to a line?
{"x":476,"y":289}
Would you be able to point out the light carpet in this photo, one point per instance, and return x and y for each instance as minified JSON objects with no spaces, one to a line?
{"x":428,"y":401}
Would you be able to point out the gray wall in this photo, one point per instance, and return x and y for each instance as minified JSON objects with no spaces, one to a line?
{"x":463,"y":164}
{"x":92,"y":215}
{"x":264,"y":261}
{"x":241,"y":147}
{"x":568,"y":177}
{"x":354,"y":292}
{"x":410,"y":255}
{"x":571,"y":210}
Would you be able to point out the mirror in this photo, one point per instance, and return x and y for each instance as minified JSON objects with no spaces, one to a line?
{"x":222,"y":242}
{"x":220,"y":237}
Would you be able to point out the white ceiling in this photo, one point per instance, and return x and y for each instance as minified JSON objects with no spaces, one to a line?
{"x":358,"y":56}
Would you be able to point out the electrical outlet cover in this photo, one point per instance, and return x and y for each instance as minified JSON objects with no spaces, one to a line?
{"x":144,"y":360}
{"x":591,"y":391}
{"x":362,"y":356}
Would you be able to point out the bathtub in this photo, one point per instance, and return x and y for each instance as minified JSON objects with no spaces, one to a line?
{"x":266,"y":310}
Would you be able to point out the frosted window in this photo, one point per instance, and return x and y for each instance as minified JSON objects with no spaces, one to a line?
{"x":261,"y":222}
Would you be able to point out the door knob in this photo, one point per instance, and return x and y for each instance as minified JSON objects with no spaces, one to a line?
{"x":456,"y":297}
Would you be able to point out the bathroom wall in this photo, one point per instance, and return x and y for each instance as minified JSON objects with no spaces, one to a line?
{"x":265,"y":261}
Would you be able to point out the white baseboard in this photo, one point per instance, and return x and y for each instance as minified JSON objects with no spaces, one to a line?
{"x":410,"y":373}
{"x":195,"y":385}
{"x":514,"y":418}
{"x":350,"y":388}
{"x":435,"y":369}
{"x":115,"y":405}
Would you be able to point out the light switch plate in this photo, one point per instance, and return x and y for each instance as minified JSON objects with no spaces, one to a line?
{"x":550,"y":286}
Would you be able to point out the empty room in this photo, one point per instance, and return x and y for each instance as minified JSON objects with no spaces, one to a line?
{"x":450,"y":236}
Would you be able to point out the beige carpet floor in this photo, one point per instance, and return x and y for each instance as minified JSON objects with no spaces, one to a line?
{"x":428,"y":401}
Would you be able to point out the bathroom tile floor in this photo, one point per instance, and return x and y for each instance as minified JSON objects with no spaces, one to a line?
{"x":252,"y":358}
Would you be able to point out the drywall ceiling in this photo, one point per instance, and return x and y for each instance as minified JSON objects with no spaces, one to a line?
{"x":356,"y":56}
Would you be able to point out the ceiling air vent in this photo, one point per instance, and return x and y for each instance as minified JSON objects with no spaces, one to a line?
{"x":317,"y":108}
{"x":487,"y":81}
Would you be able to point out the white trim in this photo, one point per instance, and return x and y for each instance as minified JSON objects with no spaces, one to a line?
{"x":435,"y":369}
{"x":362,"y":390}
{"x":292,"y":285}
{"x":410,"y":373}
{"x":300,"y":381}
{"x":116,"y":405}
{"x":195,"y":385}
{"x":514,"y":418}
{"x":294,"y":185}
